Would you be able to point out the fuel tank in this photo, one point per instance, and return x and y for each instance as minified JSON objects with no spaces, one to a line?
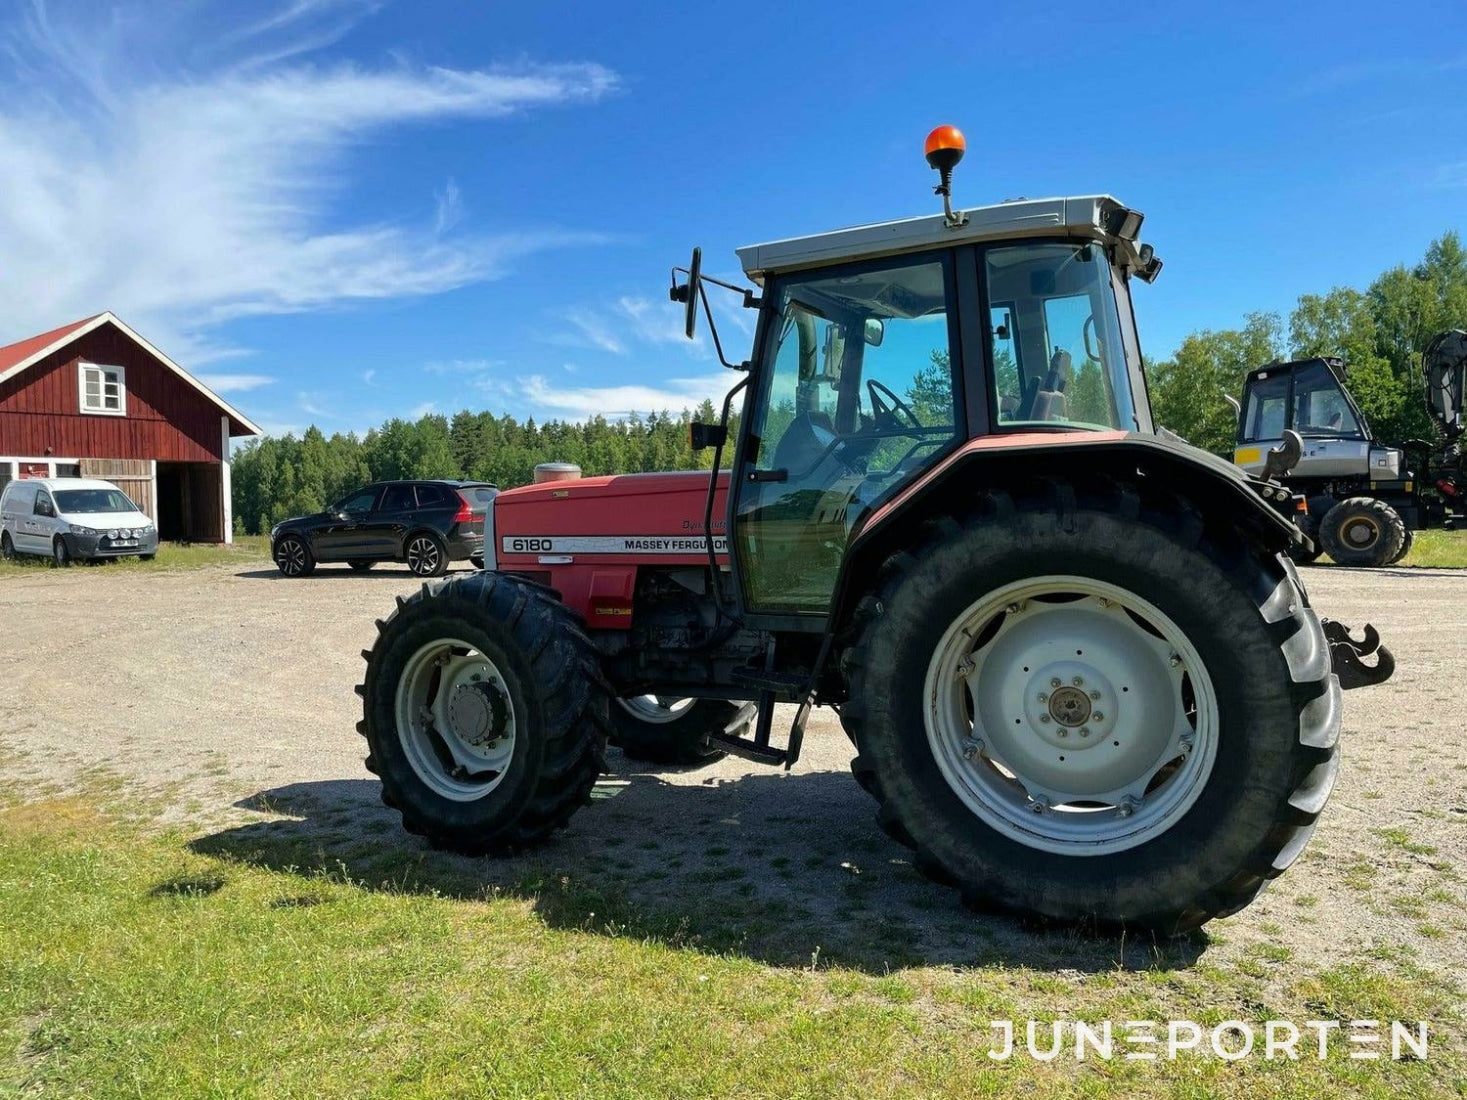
{"x":587,"y":537}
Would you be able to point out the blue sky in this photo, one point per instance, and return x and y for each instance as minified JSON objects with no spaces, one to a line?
{"x":339,"y":211}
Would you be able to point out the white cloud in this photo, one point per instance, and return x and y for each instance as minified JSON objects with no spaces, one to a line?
{"x":591,"y":331}
{"x":181,"y":194}
{"x":619,"y":402}
{"x":234,"y":383}
{"x":367,"y":376}
{"x":421,"y":410}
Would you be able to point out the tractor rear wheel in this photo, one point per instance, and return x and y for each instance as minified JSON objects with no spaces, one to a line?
{"x":1362,"y":531}
{"x":485,"y":713}
{"x":1079,"y":707}
{"x":661,"y":729}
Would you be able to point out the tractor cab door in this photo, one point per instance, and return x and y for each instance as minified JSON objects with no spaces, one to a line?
{"x":854,"y":397}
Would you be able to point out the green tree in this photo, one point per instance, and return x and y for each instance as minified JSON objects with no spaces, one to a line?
{"x":1187,"y":391}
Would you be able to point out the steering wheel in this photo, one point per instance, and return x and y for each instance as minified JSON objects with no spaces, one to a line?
{"x":885,"y":406}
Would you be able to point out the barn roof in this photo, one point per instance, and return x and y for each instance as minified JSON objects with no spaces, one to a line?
{"x":24,"y":354}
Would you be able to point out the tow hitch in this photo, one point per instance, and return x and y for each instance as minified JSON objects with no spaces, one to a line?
{"x":1345,"y":653}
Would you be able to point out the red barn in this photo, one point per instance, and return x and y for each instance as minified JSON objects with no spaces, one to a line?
{"x":94,"y":399}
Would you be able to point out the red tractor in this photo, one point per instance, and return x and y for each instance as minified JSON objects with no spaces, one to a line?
{"x":1083,"y":680}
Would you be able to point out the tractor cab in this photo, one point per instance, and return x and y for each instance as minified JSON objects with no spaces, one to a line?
{"x":881,"y":350}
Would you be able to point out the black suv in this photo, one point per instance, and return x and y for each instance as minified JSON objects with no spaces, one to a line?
{"x":424,"y":523}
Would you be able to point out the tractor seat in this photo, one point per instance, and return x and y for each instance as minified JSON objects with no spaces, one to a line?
{"x":804,"y":441}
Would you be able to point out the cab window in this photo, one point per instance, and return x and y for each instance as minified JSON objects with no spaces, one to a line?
{"x":1054,"y":337}
{"x":1268,"y":405}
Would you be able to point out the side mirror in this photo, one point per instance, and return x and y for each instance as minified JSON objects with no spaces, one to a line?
{"x":875,"y":331}
{"x":688,"y":293}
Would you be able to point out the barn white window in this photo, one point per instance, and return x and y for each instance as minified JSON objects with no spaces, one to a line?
{"x":103,"y":390}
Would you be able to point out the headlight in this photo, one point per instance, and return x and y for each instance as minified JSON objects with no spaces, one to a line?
{"x":78,"y":529}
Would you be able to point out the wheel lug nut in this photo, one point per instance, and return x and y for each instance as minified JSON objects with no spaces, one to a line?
{"x":1043,"y":698}
{"x":1084,"y":731}
{"x":1174,"y":660}
{"x":1044,"y":718}
{"x":1078,"y":681}
{"x":1098,"y":716}
{"x":1064,"y":732}
{"x":1055,"y":682}
{"x":1095,"y":695}
{"x":1041,"y":805}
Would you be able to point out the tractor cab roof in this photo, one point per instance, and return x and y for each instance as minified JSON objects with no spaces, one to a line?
{"x":1094,"y":217}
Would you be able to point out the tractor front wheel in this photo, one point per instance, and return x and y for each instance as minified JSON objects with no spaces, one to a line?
{"x":485,"y":713}
{"x":661,"y":729}
{"x":1077,"y":707}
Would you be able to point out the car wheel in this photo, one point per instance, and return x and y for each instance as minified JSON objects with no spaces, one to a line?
{"x":7,"y":548}
{"x":60,"y":555}
{"x":426,"y":555}
{"x":361,"y":566}
{"x":293,"y":557}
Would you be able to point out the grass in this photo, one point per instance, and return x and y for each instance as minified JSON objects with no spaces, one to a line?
{"x":245,"y":550}
{"x":134,"y":964}
{"x":1447,"y":549}
{"x":1434,"y":549}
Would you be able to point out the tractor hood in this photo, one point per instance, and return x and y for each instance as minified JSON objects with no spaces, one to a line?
{"x":607,"y":520}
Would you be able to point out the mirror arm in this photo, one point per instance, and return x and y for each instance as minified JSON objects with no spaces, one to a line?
{"x":713,"y":328}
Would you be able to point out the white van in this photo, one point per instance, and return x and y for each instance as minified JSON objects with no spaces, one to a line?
{"x":73,"y":519}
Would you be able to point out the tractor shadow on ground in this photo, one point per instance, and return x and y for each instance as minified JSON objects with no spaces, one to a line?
{"x":788,"y":870}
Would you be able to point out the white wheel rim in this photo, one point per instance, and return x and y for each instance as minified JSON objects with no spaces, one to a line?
{"x":455,"y":719}
{"x":1111,"y":756}
{"x":422,"y":555}
{"x":657,"y":709}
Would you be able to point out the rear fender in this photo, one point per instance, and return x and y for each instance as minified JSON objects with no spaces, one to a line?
{"x":1220,"y":491}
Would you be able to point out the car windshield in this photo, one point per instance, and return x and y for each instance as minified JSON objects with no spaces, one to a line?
{"x":73,"y":501}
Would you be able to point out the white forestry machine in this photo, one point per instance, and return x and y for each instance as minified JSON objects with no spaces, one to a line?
{"x":1365,"y":502}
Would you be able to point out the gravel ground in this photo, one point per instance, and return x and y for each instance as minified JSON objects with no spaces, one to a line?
{"x":229,"y":694}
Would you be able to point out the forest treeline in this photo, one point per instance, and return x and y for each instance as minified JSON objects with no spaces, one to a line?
{"x":1380,"y":331}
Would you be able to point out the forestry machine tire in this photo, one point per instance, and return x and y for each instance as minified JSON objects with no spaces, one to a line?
{"x":485,"y":713}
{"x":663,"y":730}
{"x":1362,"y":531}
{"x":1406,"y":544}
{"x":1157,"y":719}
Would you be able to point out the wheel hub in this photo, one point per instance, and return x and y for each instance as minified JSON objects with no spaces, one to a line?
{"x":1069,"y":706}
{"x":478,"y":713}
{"x":1361,"y":533}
